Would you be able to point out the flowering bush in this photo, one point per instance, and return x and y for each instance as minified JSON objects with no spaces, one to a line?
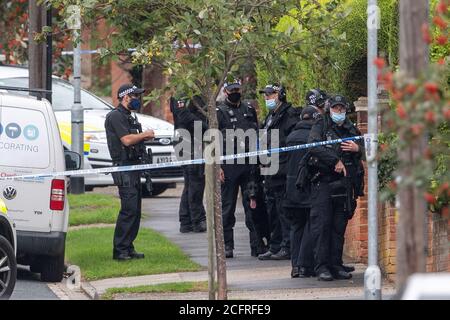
{"x":420,"y":109}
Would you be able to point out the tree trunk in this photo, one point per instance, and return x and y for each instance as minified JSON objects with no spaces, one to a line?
{"x":214,"y":202}
{"x":36,"y":52}
{"x":411,"y":228}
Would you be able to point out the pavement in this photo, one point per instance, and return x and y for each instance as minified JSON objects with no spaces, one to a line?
{"x":247,"y":277}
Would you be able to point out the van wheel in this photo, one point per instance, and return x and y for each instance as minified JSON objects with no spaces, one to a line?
{"x":8,"y":269}
{"x":52,"y":268}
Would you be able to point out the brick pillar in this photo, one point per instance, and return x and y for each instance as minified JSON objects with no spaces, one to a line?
{"x":356,"y":236}
{"x":356,"y":244}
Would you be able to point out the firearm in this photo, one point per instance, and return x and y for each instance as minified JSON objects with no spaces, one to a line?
{"x":147,"y":158}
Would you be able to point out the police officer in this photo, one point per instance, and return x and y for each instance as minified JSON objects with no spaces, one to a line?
{"x":316,"y":98}
{"x":191,"y":212}
{"x":336,"y":184}
{"x":297,"y":202}
{"x":125,"y":143}
{"x":283,"y":117}
{"x":233,"y":114}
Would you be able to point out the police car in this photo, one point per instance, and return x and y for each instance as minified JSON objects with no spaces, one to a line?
{"x":30,"y":144}
{"x":8,"y":265}
{"x":95,"y":146}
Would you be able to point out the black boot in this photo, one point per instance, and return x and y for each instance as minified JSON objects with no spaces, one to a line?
{"x":228,"y":252}
{"x":325,"y":275}
{"x":283,"y":254}
{"x":348,"y":268}
{"x":295,"y":272}
{"x":305,"y":272}
{"x":199,"y":227}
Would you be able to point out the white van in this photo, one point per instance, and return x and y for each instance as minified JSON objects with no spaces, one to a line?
{"x":30,"y":143}
{"x":8,"y":264}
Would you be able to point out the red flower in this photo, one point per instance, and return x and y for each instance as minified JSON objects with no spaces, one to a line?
{"x":388,"y":77}
{"x":441,"y":61}
{"x":431,"y":87}
{"x":401,"y":112}
{"x":442,"y":40}
{"x":440,"y":22}
{"x":446,"y":113}
{"x":398,"y":95}
{"x":430,"y":116}
{"x":379,"y":62}
{"x":441,"y":8}
{"x":429,"y":198}
{"x":417,"y":129}
{"x":411,"y":88}
{"x":443,"y":187}
{"x":426,"y":34}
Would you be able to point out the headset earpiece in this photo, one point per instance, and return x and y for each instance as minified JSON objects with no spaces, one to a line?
{"x":282,"y":94}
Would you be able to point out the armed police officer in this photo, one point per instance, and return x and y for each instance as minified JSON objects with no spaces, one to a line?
{"x":232,"y":114}
{"x":336,"y":183}
{"x":126,"y":147}
{"x":188,"y":113}
{"x":297,"y":202}
{"x":282,"y":117}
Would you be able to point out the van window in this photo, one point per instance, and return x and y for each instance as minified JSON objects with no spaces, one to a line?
{"x":24,"y":140}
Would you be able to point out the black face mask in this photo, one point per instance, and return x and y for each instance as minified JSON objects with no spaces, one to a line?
{"x":234,"y":97}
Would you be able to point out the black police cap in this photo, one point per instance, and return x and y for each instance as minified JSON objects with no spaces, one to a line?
{"x":128,"y":88}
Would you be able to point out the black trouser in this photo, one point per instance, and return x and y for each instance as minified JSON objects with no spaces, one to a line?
{"x":191,"y":210}
{"x":236,"y":175}
{"x":328,"y":224}
{"x":129,"y":219}
{"x":301,"y":250}
{"x":280,"y":228}
{"x":306,"y":254}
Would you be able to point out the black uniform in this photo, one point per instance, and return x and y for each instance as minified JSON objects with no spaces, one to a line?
{"x":242,"y":116}
{"x":284,"y":119}
{"x":332,"y":203}
{"x":297,"y":202}
{"x":191,"y":212}
{"x":118,"y":124}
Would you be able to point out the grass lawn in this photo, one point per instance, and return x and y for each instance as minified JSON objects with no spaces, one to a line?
{"x":93,"y":208}
{"x":91,"y":250}
{"x":164,"y":287}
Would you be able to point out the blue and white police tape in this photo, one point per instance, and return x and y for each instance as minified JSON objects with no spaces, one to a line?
{"x":177,"y":163}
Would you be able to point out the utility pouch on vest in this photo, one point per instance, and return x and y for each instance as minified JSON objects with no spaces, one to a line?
{"x":117,"y":178}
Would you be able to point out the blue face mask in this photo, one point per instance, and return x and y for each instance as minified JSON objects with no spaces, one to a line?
{"x":337,"y":117}
{"x":135,"y":104}
{"x":271,"y":104}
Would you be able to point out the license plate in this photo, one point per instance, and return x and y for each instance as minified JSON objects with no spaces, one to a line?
{"x":162,"y":159}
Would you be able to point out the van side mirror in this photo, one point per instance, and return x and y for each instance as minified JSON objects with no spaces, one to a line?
{"x":73,"y":160}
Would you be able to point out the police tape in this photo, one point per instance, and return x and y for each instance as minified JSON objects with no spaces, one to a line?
{"x":177,"y":163}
